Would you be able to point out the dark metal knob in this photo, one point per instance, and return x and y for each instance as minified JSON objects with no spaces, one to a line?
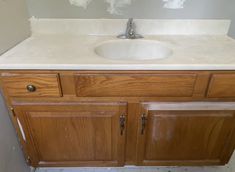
{"x":31,"y":88}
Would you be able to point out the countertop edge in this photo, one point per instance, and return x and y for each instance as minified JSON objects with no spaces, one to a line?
{"x":119,"y":67}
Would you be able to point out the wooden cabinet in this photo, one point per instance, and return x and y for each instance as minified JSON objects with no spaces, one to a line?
{"x":31,"y":85}
{"x":185,"y":134}
{"x":135,"y":85}
{"x":222,"y":86}
{"x":69,"y":134}
{"x":117,"y":118}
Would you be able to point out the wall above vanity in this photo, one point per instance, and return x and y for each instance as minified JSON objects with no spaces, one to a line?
{"x":147,"y":9}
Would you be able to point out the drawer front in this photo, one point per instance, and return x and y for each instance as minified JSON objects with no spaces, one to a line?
{"x":135,"y":85}
{"x":32,"y":85}
{"x":222,"y":86}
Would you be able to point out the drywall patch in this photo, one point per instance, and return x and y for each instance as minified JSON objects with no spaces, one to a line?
{"x":80,"y":3}
{"x":116,"y":5}
{"x":174,"y":4}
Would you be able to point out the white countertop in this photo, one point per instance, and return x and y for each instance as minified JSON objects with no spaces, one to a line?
{"x":76,"y":52}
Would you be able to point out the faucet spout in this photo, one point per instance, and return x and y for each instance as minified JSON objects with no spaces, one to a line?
{"x":130,"y":31}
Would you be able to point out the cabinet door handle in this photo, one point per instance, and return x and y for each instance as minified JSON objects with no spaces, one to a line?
{"x":122,"y":121}
{"x":143,"y":123}
{"x":21,"y":129}
{"x":19,"y":124}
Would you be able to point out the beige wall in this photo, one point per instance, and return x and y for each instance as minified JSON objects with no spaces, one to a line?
{"x":194,"y":9}
{"x":232,"y":28}
{"x":14,"y":26}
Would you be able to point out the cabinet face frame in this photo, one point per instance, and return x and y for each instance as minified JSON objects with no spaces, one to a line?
{"x":136,"y":85}
{"x":221,"y":86}
{"x":68,"y":92}
{"x":227,"y":124}
{"x":113,"y":111}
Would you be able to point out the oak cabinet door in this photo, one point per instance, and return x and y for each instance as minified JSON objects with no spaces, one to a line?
{"x":183,"y":136}
{"x":74,"y":134}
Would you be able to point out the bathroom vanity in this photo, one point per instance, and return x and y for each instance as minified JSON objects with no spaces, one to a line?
{"x":73,"y":108}
{"x":109,"y":118}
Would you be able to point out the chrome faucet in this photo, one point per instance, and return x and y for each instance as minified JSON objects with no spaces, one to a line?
{"x":130,"y":31}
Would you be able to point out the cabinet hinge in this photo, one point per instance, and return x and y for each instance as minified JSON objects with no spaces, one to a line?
{"x":28,"y":160}
{"x":13,"y":111}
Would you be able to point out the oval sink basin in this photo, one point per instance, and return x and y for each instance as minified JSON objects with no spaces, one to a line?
{"x":133,"y":50}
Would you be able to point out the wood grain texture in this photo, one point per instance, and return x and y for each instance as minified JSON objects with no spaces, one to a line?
{"x":47,"y":85}
{"x":82,"y":133}
{"x":201,"y":84}
{"x":185,"y":136}
{"x":222,"y":86}
{"x":135,"y":85}
{"x":68,"y":84}
{"x":38,"y":112}
{"x":132,"y":123}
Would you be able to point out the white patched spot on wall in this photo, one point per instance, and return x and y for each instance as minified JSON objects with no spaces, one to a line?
{"x":174,"y":4}
{"x":80,"y":3}
{"x":116,"y":5}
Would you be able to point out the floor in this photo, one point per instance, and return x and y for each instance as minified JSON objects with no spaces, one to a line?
{"x":228,"y":168}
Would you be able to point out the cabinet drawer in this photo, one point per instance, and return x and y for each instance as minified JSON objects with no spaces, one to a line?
{"x":135,"y":85}
{"x":222,"y":86}
{"x":31,"y":85}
